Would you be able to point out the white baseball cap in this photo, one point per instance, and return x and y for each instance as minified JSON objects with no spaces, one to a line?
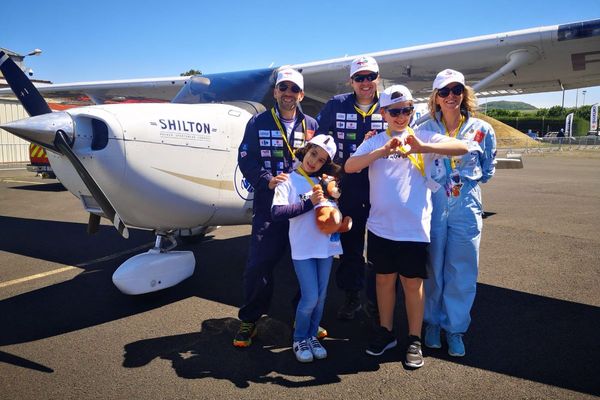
{"x":326,"y":142}
{"x":289,"y":74}
{"x":364,"y":63}
{"x":394,"y":94}
{"x":446,"y":77}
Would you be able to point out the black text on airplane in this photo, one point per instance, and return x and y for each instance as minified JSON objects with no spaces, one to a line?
{"x":184,"y":126}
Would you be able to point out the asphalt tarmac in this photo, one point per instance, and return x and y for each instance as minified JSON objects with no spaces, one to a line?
{"x":67,"y":333}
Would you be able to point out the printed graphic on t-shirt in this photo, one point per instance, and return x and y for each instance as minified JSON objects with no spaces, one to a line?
{"x":351,"y":117}
{"x":341,"y":116}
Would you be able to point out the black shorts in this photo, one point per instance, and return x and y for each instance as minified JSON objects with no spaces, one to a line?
{"x":409,"y":259}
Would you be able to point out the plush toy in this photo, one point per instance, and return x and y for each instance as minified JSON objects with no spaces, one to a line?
{"x":329,"y":217}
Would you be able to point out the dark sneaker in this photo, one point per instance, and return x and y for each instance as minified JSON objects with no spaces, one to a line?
{"x":414,"y":354}
{"x":382,"y":341}
{"x":351,"y":305}
{"x":371,"y":310}
{"x":244,"y":335}
{"x":433,"y":336}
{"x":456,"y":347}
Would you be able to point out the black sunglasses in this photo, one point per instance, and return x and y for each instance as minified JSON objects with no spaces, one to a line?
{"x":394,"y":112}
{"x":456,"y":90}
{"x":283,"y":87}
{"x":361,"y":78}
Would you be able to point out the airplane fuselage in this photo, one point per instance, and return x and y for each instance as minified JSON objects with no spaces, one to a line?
{"x":163,"y":166}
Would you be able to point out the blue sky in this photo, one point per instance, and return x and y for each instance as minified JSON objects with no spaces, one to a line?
{"x":99,"y":40}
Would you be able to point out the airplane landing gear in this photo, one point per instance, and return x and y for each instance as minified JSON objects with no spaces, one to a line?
{"x":157,"y":269}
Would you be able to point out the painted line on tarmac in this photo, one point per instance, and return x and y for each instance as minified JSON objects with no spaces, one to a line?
{"x":16,"y":181}
{"x":69,"y":268}
{"x":36,"y":276}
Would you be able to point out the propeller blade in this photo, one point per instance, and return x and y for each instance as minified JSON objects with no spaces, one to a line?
{"x":62,"y":143}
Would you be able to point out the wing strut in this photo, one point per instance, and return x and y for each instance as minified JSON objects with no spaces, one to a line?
{"x":516,"y":59}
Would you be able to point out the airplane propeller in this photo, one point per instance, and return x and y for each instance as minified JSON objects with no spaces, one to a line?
{"x":54,"y":131}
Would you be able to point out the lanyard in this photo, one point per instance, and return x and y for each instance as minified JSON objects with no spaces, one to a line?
{"x":416,"y":160}
{"x":284,"y":133}
{"x":302,"y":172}
{"x":365,"y":114}
{"x":453,"y":134}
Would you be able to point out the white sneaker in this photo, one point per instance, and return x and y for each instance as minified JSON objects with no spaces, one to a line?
{"x":302,"y":351}
{"x":317,"y":349}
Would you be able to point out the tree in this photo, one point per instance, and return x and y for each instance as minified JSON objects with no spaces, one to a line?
{"x":191,"y":72}
{"x":556,"y":111}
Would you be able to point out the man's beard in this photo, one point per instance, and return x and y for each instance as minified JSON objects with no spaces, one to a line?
{"x":286,"y":106}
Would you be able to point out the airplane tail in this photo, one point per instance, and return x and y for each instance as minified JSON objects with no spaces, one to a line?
{"x":28,"y":95}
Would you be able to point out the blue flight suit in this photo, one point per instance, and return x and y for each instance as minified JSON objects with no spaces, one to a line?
{"x":340,"y":118}
{"x":262,"y":155}
{"x":456,"y":225}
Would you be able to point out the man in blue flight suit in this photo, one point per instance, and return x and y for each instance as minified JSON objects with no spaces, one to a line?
{"x":348,"y":117}
{"x":265,"y":158}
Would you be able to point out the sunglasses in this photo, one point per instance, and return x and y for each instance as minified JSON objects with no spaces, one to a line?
{"x":361,"y":78}
{"x":394,"y":112}
{"x":283,"y":87}
{"x":456,"y":90}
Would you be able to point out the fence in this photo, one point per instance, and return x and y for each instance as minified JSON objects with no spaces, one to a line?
{"x":547,"y":144}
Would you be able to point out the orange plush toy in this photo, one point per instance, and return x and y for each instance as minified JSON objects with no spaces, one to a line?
{"x":329,"y":217}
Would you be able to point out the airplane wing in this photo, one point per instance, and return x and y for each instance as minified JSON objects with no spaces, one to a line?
{"x":549,"y":58}
{"x":113,"y":91}
{"x":542,"y":59}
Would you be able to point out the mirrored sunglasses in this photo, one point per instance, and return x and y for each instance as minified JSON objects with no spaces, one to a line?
{"x":283,"y":87}
{"x":361,"y":78}
{"x":394,"y":112}
{"x":456,"y":90}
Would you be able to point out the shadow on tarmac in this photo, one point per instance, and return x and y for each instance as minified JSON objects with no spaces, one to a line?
{"x":514,"y":333}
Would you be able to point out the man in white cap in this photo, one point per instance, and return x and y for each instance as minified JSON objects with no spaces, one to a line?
{"x":399,"y":219}
{"x":348,"y":117}
{"x":265,"y":158}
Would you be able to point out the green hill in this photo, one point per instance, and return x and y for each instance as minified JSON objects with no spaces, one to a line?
{"x":508,"y":105}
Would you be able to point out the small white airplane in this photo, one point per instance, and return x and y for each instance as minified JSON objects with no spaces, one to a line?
{"x":171,"y":166}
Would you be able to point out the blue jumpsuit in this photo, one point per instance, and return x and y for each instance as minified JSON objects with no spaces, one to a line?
{"x":456,"y":225}
{"x":262,"y":155}
{"x":340,"y":118}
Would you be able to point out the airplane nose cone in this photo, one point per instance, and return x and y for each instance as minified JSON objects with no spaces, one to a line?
{"x":41,"y":129}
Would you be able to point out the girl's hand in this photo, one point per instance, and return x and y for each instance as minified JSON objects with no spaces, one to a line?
{"x":276,"y":180}
{"x":317,"y":196}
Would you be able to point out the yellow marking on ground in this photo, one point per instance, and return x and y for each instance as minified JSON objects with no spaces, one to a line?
{"x":36,"y":276}
{"x":69,"y":268}
{"x":28,"y":182}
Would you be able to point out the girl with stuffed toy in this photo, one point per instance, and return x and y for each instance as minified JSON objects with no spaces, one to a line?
{"x":312,"y":250}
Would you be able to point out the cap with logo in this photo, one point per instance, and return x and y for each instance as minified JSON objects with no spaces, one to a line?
{"x":394,"y":94}
{"x":446,"y":77}
{"x":291,"y":75}
{"x":364,"y":63}
{"x":325,"y":142}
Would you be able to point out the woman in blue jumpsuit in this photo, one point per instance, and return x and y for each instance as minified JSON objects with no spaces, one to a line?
{"x":457,"y":211}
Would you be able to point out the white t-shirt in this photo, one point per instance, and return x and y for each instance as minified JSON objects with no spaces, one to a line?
{"x":306,"y":241}
{"x":400,"y":198}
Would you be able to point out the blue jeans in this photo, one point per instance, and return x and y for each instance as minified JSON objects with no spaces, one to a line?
{"x":313,"y":277}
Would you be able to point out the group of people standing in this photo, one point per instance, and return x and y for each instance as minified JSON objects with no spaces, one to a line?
{"x":414,"y":193}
